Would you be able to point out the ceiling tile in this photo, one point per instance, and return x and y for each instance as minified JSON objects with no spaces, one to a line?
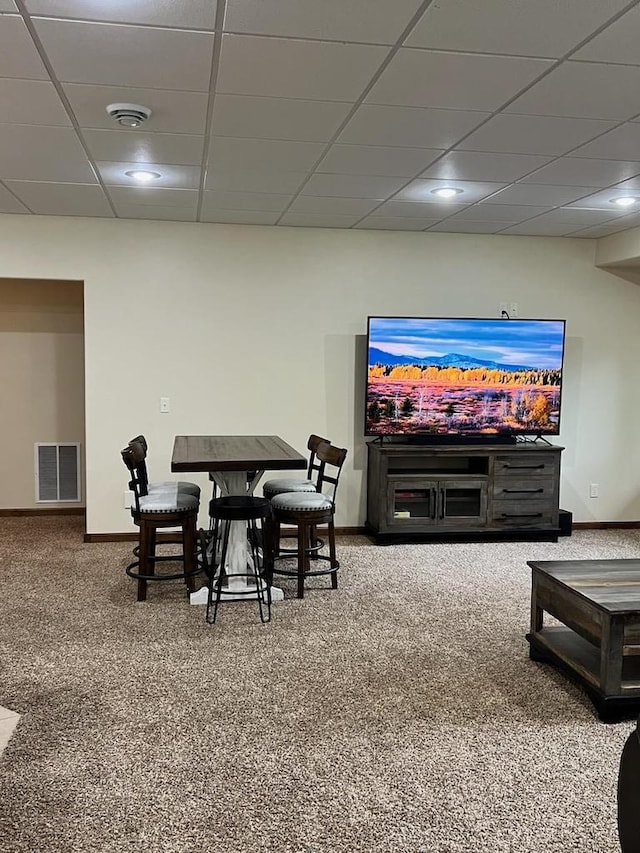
{"x":31,"y":102}
{"x":345,"y":206}
{"x":136,"y":146}
{"x":455,"y":226}
{"x":8,"y":6}
{"x":196,"y":14}
{"x":280,"y":183}
{"x":318,"y":220}
{"x":62,"y":199}
{"x":10,"y":204}
{"x":409,"y":126}
{"x":34,"y":153}
{"x":373,"y":21}
{"x":423,"y":190}
{"x":120,"y":55}
{"x":584,"y":90}
{"x":573,"y":217}
{"x":483,"y":166}
{"x":621,"y":143}
{"x":602,"y":200}
{"x":631,"y":220}
{"x":499,"y":212}
{"x":577,"y":171}
{"x":277,"y":118}
{"x":595,"y":231}
{"x":18,"y":55}
{"x":241,"y":217}
{"x":159,"y":197}
{"x":395,"y":223}
{"x":223,"y":200}
{"x":270,"y":155}
{"x":425,"y":78}
{"x":149,"y":211}
{"x":282,"y":68}
{"x":536,"y":228}
{"x":527,"y":194}
{"x":543,"y":28}
{"x":352,"y":186}
{"x":631,"y":183}
{"x":417,"y":210}
{"x":113,"y":174}
{"x":171,"y":112}
{"x":519,"y":134}
{"x":377,"y":160}
{"x":617,"y":43}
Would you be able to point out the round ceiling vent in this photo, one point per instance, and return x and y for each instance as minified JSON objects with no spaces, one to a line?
{"x":129,"y":115}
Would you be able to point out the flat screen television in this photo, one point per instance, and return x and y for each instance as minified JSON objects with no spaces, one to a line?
{"x":468,"y":377}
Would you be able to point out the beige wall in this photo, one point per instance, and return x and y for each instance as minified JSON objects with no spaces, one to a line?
{"x":41,"y":377}
{"x":251,"y":329}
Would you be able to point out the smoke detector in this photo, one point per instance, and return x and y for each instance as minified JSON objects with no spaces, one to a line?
{"x":129,"y":115}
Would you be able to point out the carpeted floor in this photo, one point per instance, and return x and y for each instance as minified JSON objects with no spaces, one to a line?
{"x":398,"y":714}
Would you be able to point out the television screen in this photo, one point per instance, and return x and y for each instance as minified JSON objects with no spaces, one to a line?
{"x":454,"y":376}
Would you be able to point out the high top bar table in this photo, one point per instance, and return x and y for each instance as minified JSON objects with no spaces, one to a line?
{"x":228,"y":458}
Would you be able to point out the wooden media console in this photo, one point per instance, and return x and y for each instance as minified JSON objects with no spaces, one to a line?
{"x":420,"y":491}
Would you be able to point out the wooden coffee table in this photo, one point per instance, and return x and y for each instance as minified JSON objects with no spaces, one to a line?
{"x":598,"y":643}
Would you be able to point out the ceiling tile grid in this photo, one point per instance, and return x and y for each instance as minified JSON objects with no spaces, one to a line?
{"x":334,"y":114}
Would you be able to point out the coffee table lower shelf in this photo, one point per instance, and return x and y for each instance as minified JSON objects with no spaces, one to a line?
{"x":580,"y":659}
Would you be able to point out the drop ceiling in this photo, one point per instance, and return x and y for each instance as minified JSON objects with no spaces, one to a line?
{"x":326,"y":113}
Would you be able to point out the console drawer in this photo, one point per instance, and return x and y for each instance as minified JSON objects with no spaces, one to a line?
{"x":533,"y":465}
{"x":523,"y":488}
{"x":523,"y":513}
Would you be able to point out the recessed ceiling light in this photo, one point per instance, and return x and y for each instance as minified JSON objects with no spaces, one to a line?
{"x":446,"y":192}
{"x":624,"y":201}
{"x":143,"y":176}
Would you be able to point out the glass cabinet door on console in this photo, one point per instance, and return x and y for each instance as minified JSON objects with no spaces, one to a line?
{"x":438,"y":502}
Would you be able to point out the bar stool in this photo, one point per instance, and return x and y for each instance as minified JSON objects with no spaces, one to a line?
{"x":307,"y":510}
{"x":256,"y":513}
{"x":162,"y":509}
{"x":286,"y":485}
{"x":294,"y":484}
{"x":140,"y":478}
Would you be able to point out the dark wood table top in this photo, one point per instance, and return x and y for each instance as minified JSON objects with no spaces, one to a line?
{"x":612,"y":585}
{"x":234,"y":453}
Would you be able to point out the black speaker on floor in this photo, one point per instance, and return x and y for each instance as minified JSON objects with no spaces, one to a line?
{"x":565,"y":521}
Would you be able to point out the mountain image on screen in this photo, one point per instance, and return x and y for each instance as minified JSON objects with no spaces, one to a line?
{"x":463,"y":376}
{"x":451,"y":359}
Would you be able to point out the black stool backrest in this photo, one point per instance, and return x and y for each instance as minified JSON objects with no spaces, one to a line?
{"x":312,"y":446}
{"x":140,"y":439}
{"x":142,"y":468}
{"x":330,"y":459}
{"x":133,"y":457}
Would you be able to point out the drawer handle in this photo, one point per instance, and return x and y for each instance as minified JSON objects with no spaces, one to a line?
{"x":524,"y":467}
{"x":522,"y":491}
{"x":521,"y":515}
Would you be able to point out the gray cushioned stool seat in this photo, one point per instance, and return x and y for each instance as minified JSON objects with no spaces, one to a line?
{"x":301,"y":501}
{"x":168,"y":501}
{"x":183,"y":487}
{"x":277,"y":487}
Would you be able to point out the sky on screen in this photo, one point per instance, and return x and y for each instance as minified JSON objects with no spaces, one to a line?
{"x":535,"y":343}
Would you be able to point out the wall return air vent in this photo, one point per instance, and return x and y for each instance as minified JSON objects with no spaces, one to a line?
{"x":57,"y":471}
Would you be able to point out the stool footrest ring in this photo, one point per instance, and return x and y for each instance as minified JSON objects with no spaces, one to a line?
{"x":131,"y":571}
{"x":294,"y":573}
